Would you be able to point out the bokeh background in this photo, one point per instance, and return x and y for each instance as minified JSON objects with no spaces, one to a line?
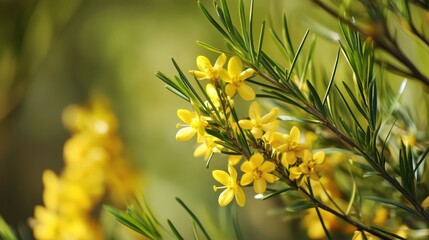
{"x":56,"y":52}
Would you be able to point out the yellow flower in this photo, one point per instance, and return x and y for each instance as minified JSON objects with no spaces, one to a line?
{"x":97,"y":118}
{"x":234,"y":159}
{"x":214,"y":97}
{"x":288,"y":144}
{"x":235,"y":78}
{"x":45,"y":223}
{"x":258,"y":171}
{"x":307,"y":166}
{"x":208,"y":147}
{"x":194,"y":124}
{"x":93,"y":164}
{"x":257,"y":124}
{"x":232,"y":187}
{"x":207,"y":71}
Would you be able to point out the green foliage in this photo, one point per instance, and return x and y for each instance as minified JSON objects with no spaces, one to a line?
{"x":6,"y":232}
{"x":359,"y":114}
{"x":139,"y":218}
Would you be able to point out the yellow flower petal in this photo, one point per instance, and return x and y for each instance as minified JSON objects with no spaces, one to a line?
{"x":245,"y":124}
{"x":226,"y":197}
{"x":257,"y":132}
{"x":271,"y":178}
{"x":291,"y":157}
{"x":240,"y":197}
{"x":247,"y":166}
{"x":234,"y":159}
{"x":185,"y":134}
{"x":267,"y":167}
{"x":198,"y":74}
{"x":271,"y":116}
{"x":220,"y":61}
{"x":200,"y":150}
{"x":246,"y":92}
{"x":221,"y":176}
{"x":260,"y":185}
{"x":319,"y":157}
{"x":203,"y":63}
{"x":246,"y":179}
{"x":294,"y":134}
{"x":246,"y":74}
{"x":185,"y":115}
{"x":230,"y":90}
{"x":235,"y":66}
{"x":256,"y":159}
{"x":233,"y":173}
{"x":254,"y":110}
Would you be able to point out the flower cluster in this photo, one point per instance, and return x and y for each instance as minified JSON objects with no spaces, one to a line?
{"x":93,"y":168}
{"x":269,"y":155}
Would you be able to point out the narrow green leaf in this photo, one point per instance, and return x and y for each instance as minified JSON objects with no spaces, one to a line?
{"x":212,"y":20}
{"x":373,"y":105}
{"x":308,"y":59}
{"x":251,"y":47}
{"x":174,"y":230}
{"x":194,"y":217}
{"x":280,"y":44}
{"x":210,"y":47}
{"x":195,"y":232}
{"x":315,"y":98}
{"x":421,"y":159}
{"x":260,"y":42}
{"x":278,"y":192}
{"x":299,"y":206}
{"x":287,"y":36}
{"x":295,"y":59}
{"x":6,"y":231}
{"x":331,"y":80}
{"x":177,"y":92}
{"x":392,"y":203}
{"x":388,"y":233}
{"x":235,"y":223}
{"x":352,"y":114}
{"x":355,"y":101}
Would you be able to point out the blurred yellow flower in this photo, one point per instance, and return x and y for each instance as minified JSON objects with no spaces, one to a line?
{"x":258,"y":171}
{"x":231,"y":186}
{"x":258,"y":124}
{"x":207,"y":71}
{"x":194,"y":124}
{"x":235,"y":78}
{"x":93,"y":165}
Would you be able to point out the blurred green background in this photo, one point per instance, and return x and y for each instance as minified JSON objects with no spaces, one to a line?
{"x":56,"y":52}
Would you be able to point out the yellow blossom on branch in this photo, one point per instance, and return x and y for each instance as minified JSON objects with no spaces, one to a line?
{"x":288,"y":144}
{"x":231,"y":186}
{"x":258,"y":171}
{"x":194,"y":124}
{"x":258,"y":124}
{"x":207,"y":70}
{"x":208,"y":147}
{"x":307,"y":165}
{"x":235,"y":78}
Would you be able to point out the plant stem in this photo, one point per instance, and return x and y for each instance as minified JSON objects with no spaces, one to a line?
{"x":393,"y":182}
{"x":346,"y":218}
{"x":380,"y":169}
